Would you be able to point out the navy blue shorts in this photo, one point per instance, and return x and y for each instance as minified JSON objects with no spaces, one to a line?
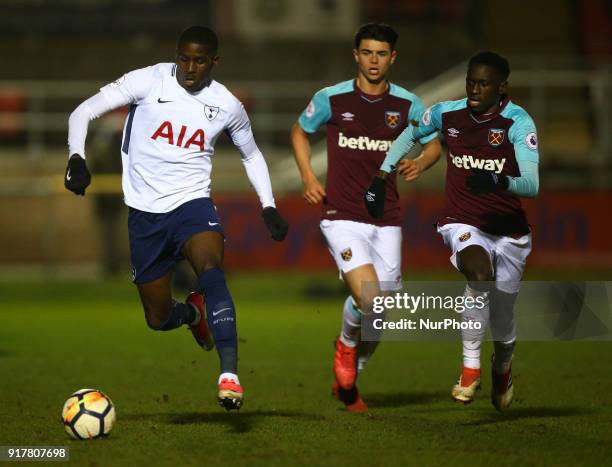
{"x":156,"y":240}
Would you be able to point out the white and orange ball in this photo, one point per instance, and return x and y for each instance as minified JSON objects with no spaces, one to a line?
{"x":88,"y":414}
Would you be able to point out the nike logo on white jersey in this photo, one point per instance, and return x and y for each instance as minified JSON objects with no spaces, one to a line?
{"x":215,"y":313}
{"x":68,"y":175}
{"x":162,"y":102}
{"x":212,"y":224}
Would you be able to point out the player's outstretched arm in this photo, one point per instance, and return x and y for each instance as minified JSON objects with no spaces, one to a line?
{"x":375,"y":195}
{"x":400,"y":147}
{"x":257,"y":171}
{"x":313,"y":192}
{"x":77,"y":177}
{"x":256,"y":168}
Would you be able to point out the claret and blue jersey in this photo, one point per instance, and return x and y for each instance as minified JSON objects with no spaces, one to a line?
{"x":496,"y":142}
{"x":360,"y":130}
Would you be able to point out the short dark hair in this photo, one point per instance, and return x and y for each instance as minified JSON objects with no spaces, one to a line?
{"x":378,"y":31}
{"x":493,"y":60}
{"x":200,"y":35}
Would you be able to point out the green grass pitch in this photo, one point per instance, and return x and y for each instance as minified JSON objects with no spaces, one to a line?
{"x":57,"y":337}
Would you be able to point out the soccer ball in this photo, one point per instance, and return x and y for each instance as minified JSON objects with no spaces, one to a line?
{"x":88,"y":414}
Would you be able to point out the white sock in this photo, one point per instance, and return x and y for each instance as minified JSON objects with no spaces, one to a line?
{"x":372,"y":335}
{"x":231,"y":376}
{"x":351,"y":323}
{"x":472,"y":338}
{"x":503,"y":327}
{"x":471,"y":354}
{"x":365,"y":352}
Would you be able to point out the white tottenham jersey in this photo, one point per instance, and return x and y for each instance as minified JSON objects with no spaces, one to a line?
{"x":169,"y":136}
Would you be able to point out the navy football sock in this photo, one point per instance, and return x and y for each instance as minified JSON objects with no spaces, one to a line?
{"x":180,"y":313}
{"x":221,"y":317}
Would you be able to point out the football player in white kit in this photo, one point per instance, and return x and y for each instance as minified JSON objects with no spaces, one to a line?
{"x":176,"y":114}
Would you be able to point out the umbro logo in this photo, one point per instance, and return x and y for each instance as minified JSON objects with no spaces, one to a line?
{"x":348,"y":117}
{"x":162,"y":102}
{"x":453,"y":132}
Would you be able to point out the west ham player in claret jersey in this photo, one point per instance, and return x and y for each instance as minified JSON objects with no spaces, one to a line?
{"x":362,"y":116}
{"x":492,"y":162}
{"x":176,"y":114}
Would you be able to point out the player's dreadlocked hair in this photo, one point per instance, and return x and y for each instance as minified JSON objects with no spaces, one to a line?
{"x":378,"y":31}
{"x":493,"y":60}
{"x":200,"y":35}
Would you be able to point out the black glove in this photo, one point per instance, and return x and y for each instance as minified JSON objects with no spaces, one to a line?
{"x":77,"y":176}
{"x":374,"y":198}
{"x":277,"y":226}
{"x":484,"y":181}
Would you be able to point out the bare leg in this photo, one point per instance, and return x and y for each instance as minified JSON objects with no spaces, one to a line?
{"x":161,"y":312}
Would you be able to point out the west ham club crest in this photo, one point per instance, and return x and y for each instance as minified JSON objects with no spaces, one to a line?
{"x":496,"y":136}
{"x":346,"y":254}
{"x":392,"y":119}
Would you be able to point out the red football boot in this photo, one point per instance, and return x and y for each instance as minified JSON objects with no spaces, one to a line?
{"x":201,"y":332}
{"x":230,"y":394}
{"x":345,"y":364}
